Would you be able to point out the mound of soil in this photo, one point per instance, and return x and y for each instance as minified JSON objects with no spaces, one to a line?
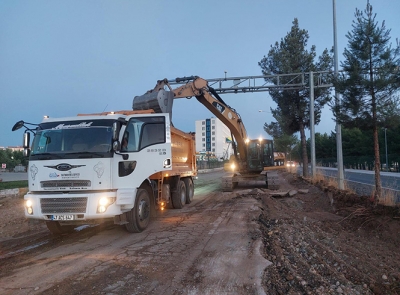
{"x":325,"y":241}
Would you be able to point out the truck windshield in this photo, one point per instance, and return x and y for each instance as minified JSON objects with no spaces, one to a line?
{"x":76,"y":142}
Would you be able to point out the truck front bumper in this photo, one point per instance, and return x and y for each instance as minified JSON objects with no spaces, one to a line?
{"x":75,"y":207}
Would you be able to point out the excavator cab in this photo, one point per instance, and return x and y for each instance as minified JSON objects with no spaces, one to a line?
{"x":259,"y":155}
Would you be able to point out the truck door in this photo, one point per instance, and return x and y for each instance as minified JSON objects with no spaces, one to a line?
{"x":147,"y":142}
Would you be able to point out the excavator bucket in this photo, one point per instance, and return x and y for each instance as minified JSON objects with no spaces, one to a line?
{"x":160,"y":101}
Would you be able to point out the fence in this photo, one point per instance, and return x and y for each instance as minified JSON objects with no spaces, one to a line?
{"x":209,"y":164}
{"x":363,"y":162}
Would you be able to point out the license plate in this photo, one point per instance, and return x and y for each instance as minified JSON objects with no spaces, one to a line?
{"x":62,"y":217}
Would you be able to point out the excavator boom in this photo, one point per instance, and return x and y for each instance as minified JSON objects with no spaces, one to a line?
{"x":206,"y":95}
{"x":251,"y":156}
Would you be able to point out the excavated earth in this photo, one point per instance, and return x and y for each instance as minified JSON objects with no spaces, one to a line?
{"x":306,"y":239}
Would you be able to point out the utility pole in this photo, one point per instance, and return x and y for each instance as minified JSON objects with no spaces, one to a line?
{"x":312,"y":126}
{"x":337,"y":101}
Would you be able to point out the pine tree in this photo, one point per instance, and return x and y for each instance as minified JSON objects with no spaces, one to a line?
{"x":282,"y":142}
{"x":369,"y":81}
{"x":288,"y":56}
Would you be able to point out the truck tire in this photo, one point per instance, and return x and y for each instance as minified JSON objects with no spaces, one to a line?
{"x":139,"y":216}
{"x":57,"y":229}
{"x":189,"y":189}
{"x":179,"y":195}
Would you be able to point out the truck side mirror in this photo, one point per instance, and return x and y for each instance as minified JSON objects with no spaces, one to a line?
{"x":27,"y":139}
{"x":116,"y":129}
{"x":26,"y":144}
{"x":26,"y":152}
{"x":116,"y":146}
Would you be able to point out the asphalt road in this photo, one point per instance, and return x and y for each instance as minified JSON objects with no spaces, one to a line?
{"x":389,"y":180}
{"x":211,"y":246}
{"x":13,"y":176}
{"x":363,"y":181}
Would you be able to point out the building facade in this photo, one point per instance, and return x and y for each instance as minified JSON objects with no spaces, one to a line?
{"x":213,"y":138}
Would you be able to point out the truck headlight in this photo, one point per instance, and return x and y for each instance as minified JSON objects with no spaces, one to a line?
{"x":103,"y":204}
{"x":233,"y":166}
{"x":28,"y":206}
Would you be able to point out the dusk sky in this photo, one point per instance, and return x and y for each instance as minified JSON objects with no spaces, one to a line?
{"x":61,"y":58}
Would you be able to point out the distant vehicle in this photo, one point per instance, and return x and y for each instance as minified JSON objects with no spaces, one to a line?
{"x":290,"y":164}
{"x":19,"y":168}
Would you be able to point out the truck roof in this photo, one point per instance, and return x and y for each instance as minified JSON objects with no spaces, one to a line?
{"x":95,"y":116}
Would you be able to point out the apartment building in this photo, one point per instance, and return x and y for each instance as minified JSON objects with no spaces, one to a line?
{"x":213,"y":138}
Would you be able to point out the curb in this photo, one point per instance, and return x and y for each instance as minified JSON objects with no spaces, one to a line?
{"x":13,"y":191}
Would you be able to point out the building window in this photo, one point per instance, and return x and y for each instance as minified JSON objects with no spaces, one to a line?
{"x":203,"y":123}
{"x":203,"y":139}
{"x":203,"y":128}
{"x":213,"y":121}
{"x":213,"y":150}
{"x":213,"y":144}
{"x":212,"y":127}
{"x":213,"y":133}
{"x":204,"y":144}
{"x":213,"y":139}
{"x":203,"y":133}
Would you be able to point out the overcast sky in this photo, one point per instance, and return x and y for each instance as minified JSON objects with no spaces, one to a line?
{"x":61,"y":58}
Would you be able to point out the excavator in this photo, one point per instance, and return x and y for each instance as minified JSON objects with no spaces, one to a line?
{"x":253,"y":159}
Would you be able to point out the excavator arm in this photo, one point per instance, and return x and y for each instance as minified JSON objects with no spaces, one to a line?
{"x":207,"y":96}
{"x":252,"y":156}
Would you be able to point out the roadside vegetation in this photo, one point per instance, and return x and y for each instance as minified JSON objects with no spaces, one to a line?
{"x":368,"y":109}
{"x":292,"y":114}
{"x":357,"y":148}
{"x":13,"y":184}
{"x":12,"y":158}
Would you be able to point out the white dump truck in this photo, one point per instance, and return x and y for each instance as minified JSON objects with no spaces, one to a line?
{"x":122,"y":166}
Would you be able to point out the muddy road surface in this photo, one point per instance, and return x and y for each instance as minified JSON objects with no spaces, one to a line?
{"x":307,"y":239}
{"x":211,"y":246}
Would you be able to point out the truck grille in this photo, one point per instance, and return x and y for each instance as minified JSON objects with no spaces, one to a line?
{"x":65,"y":183}
{"x":63,"y":205}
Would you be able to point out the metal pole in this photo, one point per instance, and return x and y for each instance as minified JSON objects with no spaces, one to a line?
{"x":387,"y":163}
{"x":312,"y":131}
{"x":339,"y":152}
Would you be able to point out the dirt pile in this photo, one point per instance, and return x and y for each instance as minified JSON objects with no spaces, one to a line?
{"x":328,"y":242}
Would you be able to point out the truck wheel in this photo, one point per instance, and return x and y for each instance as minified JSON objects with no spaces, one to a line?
{"x":179,"y":196}
{"x":57,"y":229}
{"x":189,"y":189}
{"x":139,"y":216}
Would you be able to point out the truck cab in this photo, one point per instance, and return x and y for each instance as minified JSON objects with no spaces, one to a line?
{"x":100,"y":166}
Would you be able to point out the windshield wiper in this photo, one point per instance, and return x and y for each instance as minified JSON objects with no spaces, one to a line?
{"x":50,"y":155}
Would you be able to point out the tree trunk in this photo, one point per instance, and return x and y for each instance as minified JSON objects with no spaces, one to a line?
{"x":304,"y":150}
{"x":378,"y":184}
